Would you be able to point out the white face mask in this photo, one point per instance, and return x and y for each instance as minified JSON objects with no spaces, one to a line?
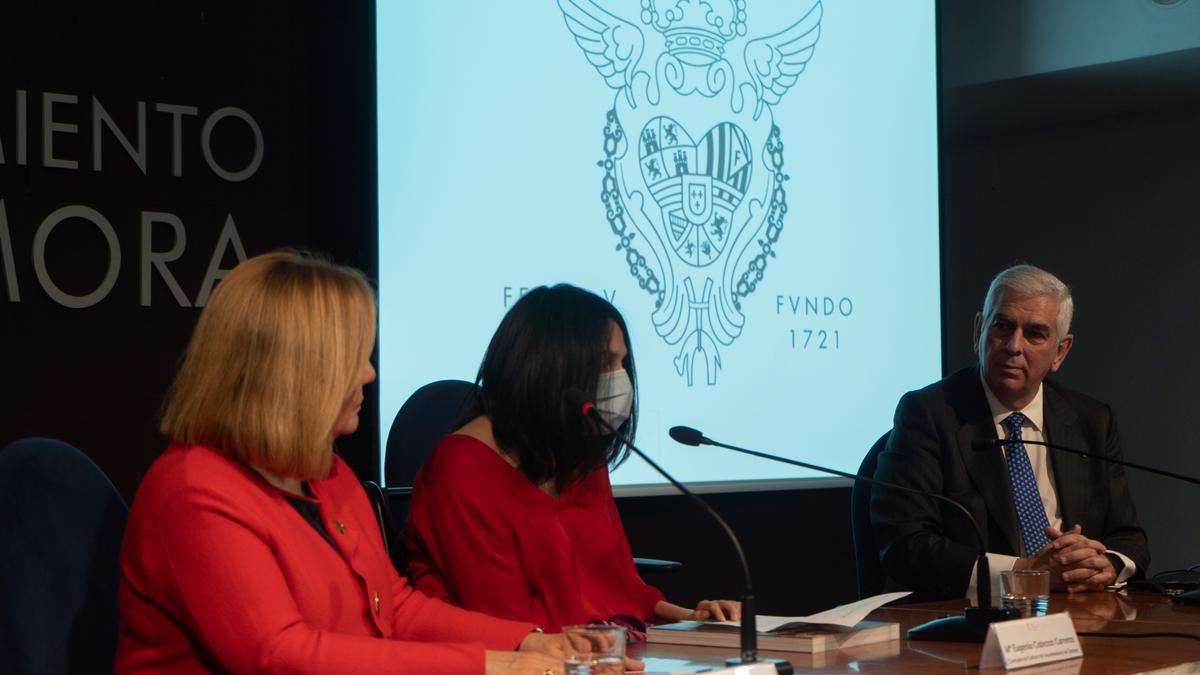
{"x":614,"y":397}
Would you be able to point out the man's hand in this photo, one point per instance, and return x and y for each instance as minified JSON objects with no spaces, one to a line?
{"x":1077,"y":564}
{"x":1081,"y":563}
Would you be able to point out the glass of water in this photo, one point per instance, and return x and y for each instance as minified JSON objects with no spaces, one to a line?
{"x":595,"y":650}
{"x":1027,"y":590}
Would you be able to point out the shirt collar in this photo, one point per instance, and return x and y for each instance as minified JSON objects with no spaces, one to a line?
{"x":1032,"y":411}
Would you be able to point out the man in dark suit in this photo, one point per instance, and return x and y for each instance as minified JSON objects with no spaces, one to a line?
{"x":1037,"y":509}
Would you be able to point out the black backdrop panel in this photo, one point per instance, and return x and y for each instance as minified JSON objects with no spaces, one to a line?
{"x":224,"y":129}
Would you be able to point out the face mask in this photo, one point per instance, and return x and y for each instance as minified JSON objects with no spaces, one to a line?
{"x":614,"y":397}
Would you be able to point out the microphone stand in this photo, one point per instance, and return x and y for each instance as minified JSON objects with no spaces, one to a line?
{"x":993,"y":443}
{"x":973,"y":625}
{"x":749,"y":629}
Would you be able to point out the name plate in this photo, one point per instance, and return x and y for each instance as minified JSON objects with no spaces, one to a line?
{"x":1028,"y":642}
{"x":661,"y":666}
{"x":750,"y":669}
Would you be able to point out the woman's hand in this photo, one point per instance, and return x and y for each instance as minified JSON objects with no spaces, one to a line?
{"x":555,"y":645}
{"x":550,"y":644}
{"x":521,"y":663}
{"x":715,"y":610}
{"x":706,"y":610}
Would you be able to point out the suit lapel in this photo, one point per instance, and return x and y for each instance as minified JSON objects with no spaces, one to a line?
{"x":1069,"y":478}
{"x":986,"y":467}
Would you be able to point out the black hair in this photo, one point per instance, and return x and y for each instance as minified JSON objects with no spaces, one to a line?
{"x":552,"y":340}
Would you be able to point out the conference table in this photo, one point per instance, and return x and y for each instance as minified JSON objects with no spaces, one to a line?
{"x":1120,"y":612}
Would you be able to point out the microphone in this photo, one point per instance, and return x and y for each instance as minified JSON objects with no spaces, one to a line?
{"x":749,"y":629}
{"x":982,"y":444}
{"x":687,"y":436}
{"x":973,"y":625}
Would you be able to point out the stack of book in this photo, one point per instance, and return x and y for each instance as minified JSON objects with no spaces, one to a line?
{"x":834,"y":629}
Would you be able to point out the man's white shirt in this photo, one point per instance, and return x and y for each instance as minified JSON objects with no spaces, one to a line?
{"x":1032,"y":430}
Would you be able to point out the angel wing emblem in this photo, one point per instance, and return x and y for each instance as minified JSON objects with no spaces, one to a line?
{"x":776,"y":61}
{"x":612,"y":45}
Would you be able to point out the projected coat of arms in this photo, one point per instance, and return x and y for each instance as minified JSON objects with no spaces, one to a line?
{"x":693,"y":161}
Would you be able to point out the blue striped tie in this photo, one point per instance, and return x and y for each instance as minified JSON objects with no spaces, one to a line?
{"x":1025,"y":493}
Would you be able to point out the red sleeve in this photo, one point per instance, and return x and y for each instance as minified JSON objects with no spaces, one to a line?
{"x":421,"y":618}
{"x":423,"y":573}
{"x":479,"y":565}
{"x":647,"y":595}
{"x":236,"y":601}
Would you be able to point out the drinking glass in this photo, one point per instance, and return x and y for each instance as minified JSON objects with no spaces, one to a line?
{"x":1027,"y":590}
{"x":595,"y":650}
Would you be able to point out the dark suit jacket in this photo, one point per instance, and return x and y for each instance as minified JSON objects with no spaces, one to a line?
{"x":930,"y":547}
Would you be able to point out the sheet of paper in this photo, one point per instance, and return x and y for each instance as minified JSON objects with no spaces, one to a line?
{"x":844,"y":615}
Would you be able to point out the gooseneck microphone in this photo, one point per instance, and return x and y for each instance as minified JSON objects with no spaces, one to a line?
{"x":749,"y":628}
{"x":993,"y":443}
{"x":973,"y":625}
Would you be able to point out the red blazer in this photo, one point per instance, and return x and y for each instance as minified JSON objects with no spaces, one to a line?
{"x":220,"y":573}
{"x":483,"y":536}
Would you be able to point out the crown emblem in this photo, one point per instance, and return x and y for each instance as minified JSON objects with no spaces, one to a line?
{"x":696,"y":30}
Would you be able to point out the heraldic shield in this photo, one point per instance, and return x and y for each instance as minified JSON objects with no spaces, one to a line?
{"x":693,"y":162}
{"x":697,"y":186}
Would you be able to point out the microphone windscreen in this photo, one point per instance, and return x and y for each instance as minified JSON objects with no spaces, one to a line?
{"x":577,"y":400}
{"x":984,"y":444}
{"x":686,"y":435}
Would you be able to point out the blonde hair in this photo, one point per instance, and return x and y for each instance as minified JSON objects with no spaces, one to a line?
{"x":276,"y":352}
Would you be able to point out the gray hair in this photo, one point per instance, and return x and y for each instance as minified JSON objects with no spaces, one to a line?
{"x":1030,"y":280}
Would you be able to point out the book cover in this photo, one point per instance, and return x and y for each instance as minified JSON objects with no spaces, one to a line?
{"x":795,"y":637}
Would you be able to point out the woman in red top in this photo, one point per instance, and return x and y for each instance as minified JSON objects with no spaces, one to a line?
{"x":513,"y":514}
{"x":250,"y":546}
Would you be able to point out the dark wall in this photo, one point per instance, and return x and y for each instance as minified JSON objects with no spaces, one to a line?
{"x":797,"y":542}
{"x":1110,"y":205}
{"x":95,"y":376}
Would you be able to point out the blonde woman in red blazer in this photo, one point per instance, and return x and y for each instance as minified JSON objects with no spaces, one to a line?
{"x":250,"y":546}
